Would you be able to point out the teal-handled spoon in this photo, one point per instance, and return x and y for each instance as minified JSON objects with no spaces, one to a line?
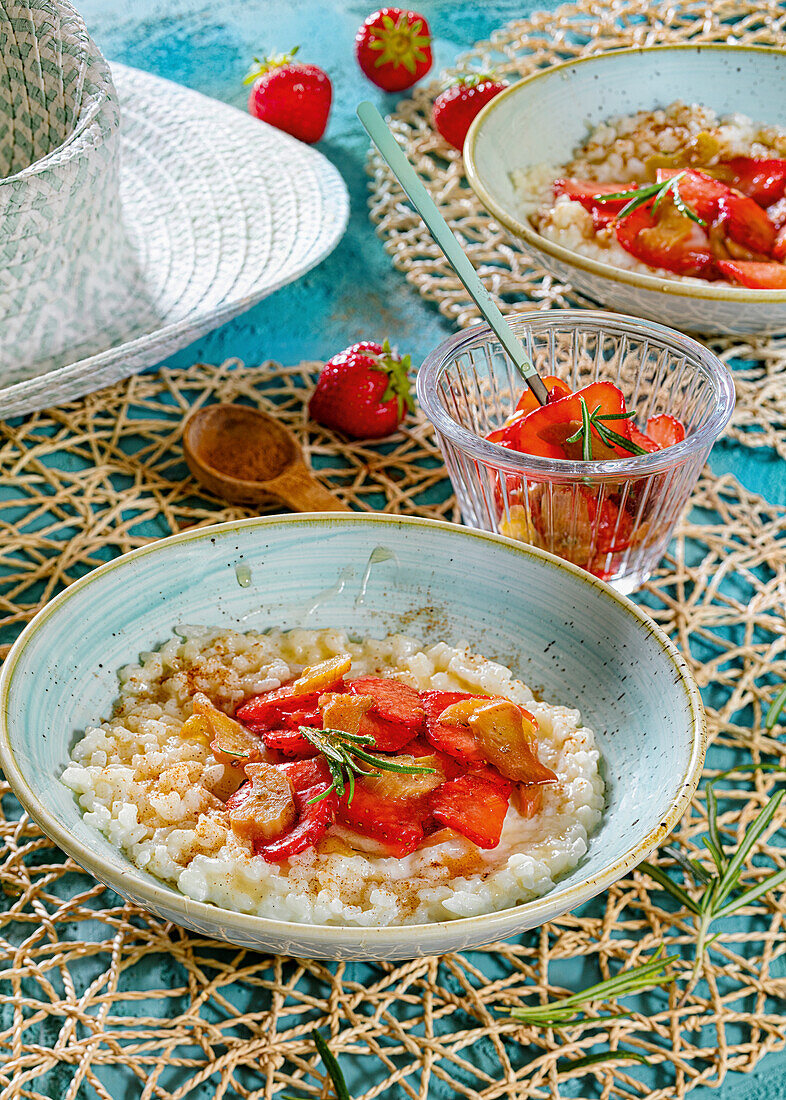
{"x":391,"y":151}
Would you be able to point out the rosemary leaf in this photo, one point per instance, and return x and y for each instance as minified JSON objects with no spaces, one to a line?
{"x":331,"y":1065}
{"x":587,"y":431}
{"x":750,"y":895}
{"x":734,"y":867}
{"x":591,"y":1060}
{"x":671,"y":887}
{"x":641,"y":192}
{"x":715,"y":845}
{"x":634,"y":980}
{"x":776,"y":708}
{"x":343,"y":756}
{"x":690,"y":866}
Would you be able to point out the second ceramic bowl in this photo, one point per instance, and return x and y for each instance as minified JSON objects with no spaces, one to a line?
{"x":542,"y":119}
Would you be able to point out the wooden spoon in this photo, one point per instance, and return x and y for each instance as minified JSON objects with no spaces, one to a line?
{"x":247,"y":457}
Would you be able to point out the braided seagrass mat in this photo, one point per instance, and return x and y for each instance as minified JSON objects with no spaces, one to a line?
{"x":513,"y":278}
{"x":100,"y":999}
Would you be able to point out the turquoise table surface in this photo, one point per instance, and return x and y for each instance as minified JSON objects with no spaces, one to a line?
{"x":356,"y":293}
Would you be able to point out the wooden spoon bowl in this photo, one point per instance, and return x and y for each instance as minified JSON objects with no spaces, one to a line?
{"x":247,"y":457}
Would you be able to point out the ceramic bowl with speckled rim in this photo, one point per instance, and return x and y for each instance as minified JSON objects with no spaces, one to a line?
{"x":543,"y":118}
{"x":568,"y":635}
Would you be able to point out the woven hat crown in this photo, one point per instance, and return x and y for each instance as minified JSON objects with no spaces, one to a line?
{"x":62,"y":245}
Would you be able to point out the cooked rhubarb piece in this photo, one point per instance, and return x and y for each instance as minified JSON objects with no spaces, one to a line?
{"x":263,"y":808}
{"x":344,"y":712}
{"x":403,"y":786}
{"x":231,"y":743}
{"x":527,"y":798}
{"x":455,"y":739}
{"x":472,"y":806}
{"x":756,"y":276}
{"x":266,"y":711}
{"x":316,"y":808}
{"x":393,"y":701}
{"x":665,"y":430}
{"x":505,"y":735}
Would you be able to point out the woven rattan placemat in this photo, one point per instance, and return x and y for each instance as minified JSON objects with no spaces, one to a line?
{"x":517,"y":282}
{"x":98,"y":998}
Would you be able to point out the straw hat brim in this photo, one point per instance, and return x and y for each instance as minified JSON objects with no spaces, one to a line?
{"x":220,"y":210}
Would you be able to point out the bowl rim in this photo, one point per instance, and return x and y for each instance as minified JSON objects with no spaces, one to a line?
{"x":349,"y":937}
{"x":609,"y":469}
{"x":525,"y":231}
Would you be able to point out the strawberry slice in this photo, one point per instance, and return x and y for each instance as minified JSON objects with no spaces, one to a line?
{"x":779,"y":248}
{"x":473,"y":807}
{"x":490,"y":775}
{"x":304,"y":774}
{"x":388,"y":736}
{"x":763,"y":179}
{"x":585,"y":192}
{"x":528,"y":402}
{"x":270,"y":710}
{"x":546,"y":430}
{"x":612,"y":528}
{"x":644,"y":441}
{"x":665,"y":430}
{"x":288,"y":743}
{"x":393,"y":701}
{"x":454,"y":740}
{"x":393,"y":821}
{"x":313,"y":821}
{"x":666,"y":240}
{"x":755,"y":275}
{"x":746,"y":223}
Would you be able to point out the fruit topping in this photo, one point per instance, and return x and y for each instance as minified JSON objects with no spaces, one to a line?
{"x":263,"y":808}
{"x":269,"y":710}
{"x":230,"y":742}
{"x":473,"y":807}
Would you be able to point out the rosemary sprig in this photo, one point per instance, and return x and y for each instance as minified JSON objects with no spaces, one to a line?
{"x":330,"y":1063}
{"x":719,"y":891}
{"x":344,"y":752}
{"x":776,"y":709}
{"x":596,"y":420}
{"x":638,"y":196}
{"x":563,"y":1012}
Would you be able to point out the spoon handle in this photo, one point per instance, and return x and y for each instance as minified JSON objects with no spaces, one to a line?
{"x":298,"y":488}
{"x":390,"y":149}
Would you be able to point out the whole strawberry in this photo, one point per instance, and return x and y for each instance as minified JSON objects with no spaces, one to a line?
{"x":393,"y":48}
{"x":363,"y":391}
{"x":292,"y":97}
{"x":458,"y":105}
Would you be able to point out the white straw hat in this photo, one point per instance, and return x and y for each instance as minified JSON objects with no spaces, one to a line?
{"x":135,"y":214}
